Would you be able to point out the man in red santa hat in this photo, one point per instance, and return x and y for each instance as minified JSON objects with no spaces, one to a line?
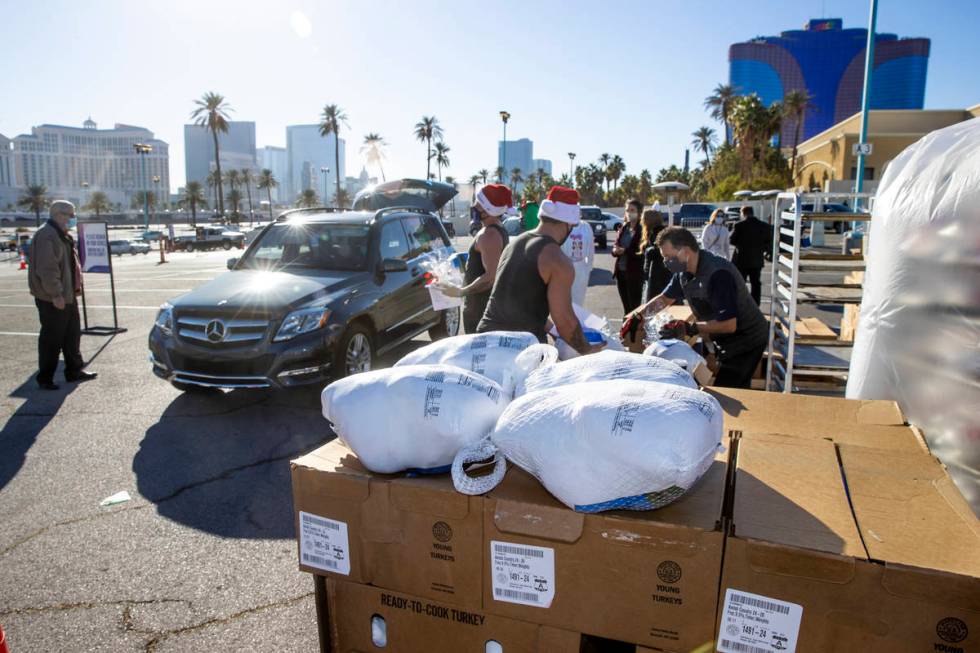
{"x":492,"y":202}
{"x":534,"y":277}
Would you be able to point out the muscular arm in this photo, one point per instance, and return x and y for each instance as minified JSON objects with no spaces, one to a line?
{"x":655,"y":305}
{"x":490,"y":245}
{"x":559,"y":274}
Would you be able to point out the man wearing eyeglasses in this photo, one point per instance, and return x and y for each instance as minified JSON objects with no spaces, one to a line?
{"x":55,"y":279}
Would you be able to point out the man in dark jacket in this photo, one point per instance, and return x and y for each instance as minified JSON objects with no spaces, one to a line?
{"x":752,"y":240}
{"x":55,"y":280}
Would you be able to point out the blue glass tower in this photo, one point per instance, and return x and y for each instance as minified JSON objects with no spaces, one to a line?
{"x":828,"y":62}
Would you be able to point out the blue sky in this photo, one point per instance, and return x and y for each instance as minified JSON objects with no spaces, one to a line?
{"x":627,"y":78}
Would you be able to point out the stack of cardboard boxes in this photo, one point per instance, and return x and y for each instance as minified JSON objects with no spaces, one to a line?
{"x":824,"y":526}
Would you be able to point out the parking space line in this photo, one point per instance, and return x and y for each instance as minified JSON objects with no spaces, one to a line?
{"x":155,"y":307}
{"x":18,"y":333}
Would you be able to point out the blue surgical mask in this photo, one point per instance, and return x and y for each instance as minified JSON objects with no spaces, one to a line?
{"x":72,"y":222}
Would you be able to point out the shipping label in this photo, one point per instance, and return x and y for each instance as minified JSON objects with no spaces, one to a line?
{"x":323,"y":543}
{"x":751,"y":623}
{"x":522,"y":573}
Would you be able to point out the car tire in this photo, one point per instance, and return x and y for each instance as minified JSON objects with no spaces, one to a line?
{"x":226,"y":244}
{"x":354,"y":353}
{"x":449,"y":324}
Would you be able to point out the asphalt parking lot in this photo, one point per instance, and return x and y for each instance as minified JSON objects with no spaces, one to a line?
{"x":202,"y":557}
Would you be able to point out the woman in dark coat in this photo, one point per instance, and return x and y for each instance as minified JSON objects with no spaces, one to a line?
{"x":655,"y":273}
{"x":628,"y":268}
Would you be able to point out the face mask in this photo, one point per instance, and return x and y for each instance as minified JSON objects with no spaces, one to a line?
{"x":675,"y":265}
{"x":72,"y":222}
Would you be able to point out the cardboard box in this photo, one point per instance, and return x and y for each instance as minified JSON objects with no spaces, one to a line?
{"x":875,"y":424}
{"x":415,"y":535}
{"x":362,"y":617}
{"x":647,"y":578}
{"x":893,"y":568}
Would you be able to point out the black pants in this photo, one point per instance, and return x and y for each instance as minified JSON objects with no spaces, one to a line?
{"x":754,"y":277}
{"x":61,"y":332}
{"x":630,"y":293}
{"x":737,"y":371}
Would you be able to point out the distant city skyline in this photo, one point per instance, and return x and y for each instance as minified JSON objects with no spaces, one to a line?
{"x":642,"y":103}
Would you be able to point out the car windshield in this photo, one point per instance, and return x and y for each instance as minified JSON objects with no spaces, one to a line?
{"x":591,"y":214}
{"x":320,"y":246}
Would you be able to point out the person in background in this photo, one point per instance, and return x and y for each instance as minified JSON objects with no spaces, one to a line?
{"x":55,"y":280}
{"x":529,"y":216}
{"x":752,"y":240}
{"x":534,"y":278}
{"x":492,"y":202}
{"x":714,"y":237}
{"x":720,"y":302}
{"x":628,"y":269}
{"x":580,"y":249}
{"x":655,"y":275}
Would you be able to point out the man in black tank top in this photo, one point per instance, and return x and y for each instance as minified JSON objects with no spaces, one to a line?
{"x":534,"y":278}
{"x":490,"y":204}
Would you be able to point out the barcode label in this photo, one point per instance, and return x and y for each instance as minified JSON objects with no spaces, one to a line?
{"x":522,"y":573}
{"x":319,"y":561}
{"x":751,"y":623}
{"x":518,"y":550}
{"x":738,"y":647}
{"x":323,"y":543}
{"x":760,"y":603}
{"x":515,"y":594}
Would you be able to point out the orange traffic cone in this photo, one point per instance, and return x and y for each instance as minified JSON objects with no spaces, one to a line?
{"x":23,"y":266}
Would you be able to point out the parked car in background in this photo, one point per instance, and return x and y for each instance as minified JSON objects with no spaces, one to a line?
{"x":693,"y":214}
{"x":600,"y":225}
{"x":208,"y":238}
{"x":838,"y":226}
{"x":320,"y":294}
{"x":151,"y":236}
{"x":613,"y":221}
{"x":120,"y":247}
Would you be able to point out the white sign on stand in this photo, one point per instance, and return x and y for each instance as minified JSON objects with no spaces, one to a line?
{"x":93,"y":247}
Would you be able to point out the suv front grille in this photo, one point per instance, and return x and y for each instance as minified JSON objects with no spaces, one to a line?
{"x":219,"y":331}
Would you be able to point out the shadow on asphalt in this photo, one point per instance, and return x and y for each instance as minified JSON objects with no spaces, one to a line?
{"x":601,"y":277}
{"x":21,"y":430}
{"x":219,"y":461}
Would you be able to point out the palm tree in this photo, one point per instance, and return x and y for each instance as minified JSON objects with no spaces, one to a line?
{"x":137,"y":201}
{"x":247,"y":179}
{"x":616,"y":169}
{"x":499,"y":173}
{"x":373,"y":151}
{"x":774,"y":122}
{"x":235,"y":198}
{"x":515,"y":178}
{"x":330,"y":121}
{"x":442,"y":157}
{"x":308,"y":199}
{"x":193,"y":196}
{"x":604,"y":160}
{"x":720,"y":103}
{"x":212,"y":113}
{"x":483,"y":173}
{"x":704,"y":140}
{"x":425,"y":130}
{"x":341,"y":199}
{"x":795,"y":105}
{"x":751,"y":125}
{"x":213,"y":179}
{"x":232,"y":178}
{"x":35,"y":200}
{"x":97,"y":203}
{"x":267,"y":181}
{"x":474,"y":180}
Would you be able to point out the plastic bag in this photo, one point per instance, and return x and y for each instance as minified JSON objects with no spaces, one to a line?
{"x":414,"y":417}
{"x":505,"y":357}
{"x":676,"y":351}
{"x":442,"y":267}
{"x":611,"y":445}
{"x":594,"y":327}
{"x":606,"y":366}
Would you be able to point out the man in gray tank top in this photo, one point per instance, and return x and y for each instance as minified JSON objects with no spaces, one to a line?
{"x":721,"y":304}
{"x":534,"y":277}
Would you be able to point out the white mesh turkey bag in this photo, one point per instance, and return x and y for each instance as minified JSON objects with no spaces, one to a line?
{"x":606,"y":366}
{"x":414,"y":417}
{"x":607,"y":445}
{"x":502,"y":356}
{"x":677,"y":352}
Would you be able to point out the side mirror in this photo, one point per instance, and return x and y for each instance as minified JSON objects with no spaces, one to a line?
{"x":232,"y":262}
{"x":394,"y":265}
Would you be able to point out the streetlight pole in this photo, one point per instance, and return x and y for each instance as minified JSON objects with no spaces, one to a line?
{"x":85,"y":194}
{"x":156,"y":203}
{"x":869,"y":58}
{"x":503,"y":162}
{"x":571,"y":167}
{"x":324,"y":170}
{"x":143,"y":149}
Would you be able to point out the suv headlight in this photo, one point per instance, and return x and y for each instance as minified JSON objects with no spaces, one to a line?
{"x":302,"y":321}
{"x":165,"y":319}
